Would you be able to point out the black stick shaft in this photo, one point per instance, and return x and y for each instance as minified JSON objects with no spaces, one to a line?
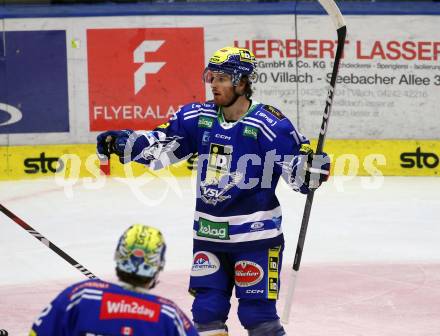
{"x":47,"y":243}
{"x":319,"y":149}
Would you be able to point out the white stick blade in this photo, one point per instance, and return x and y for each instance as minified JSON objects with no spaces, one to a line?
{"x":333,"y":11}
{"x":289,"y":297}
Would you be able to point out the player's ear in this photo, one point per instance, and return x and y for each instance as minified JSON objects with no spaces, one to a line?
{"x":241,"y":87}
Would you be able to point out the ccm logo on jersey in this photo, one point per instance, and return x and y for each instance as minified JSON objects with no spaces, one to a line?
{"x":115,"y":306}
{"x":247,"y":273}
{"x":222,"y":136}
{"x":254,"y":291}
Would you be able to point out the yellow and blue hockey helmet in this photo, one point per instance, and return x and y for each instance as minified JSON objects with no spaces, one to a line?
{"x":237,"y":62}
{"x":141,"y":251}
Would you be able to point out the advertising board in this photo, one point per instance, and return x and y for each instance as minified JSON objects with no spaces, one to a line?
{"x":33,"y":89}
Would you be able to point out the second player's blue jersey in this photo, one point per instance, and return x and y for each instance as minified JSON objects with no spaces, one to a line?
{"x":98,"y":308}
{"x":239,"y":165}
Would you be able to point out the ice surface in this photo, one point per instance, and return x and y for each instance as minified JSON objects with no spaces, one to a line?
{"x":371,"y":264}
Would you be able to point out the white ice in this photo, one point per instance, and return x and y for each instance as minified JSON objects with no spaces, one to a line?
{"x":371,"y":263}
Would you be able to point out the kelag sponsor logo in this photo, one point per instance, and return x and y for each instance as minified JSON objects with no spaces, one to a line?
{"x":205,"y":122}
{"x":213,"y":230}
{"x":33,"y":89}
{"x":115,"y":306}
{"x":419,"y":159}
{"x":139,"y":77}
{"x":250,"y":131}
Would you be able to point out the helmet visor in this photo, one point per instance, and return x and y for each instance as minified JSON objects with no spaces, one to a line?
{"x":222,"y":77}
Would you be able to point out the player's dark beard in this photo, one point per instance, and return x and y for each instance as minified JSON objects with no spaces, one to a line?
{"x":233,"y":100}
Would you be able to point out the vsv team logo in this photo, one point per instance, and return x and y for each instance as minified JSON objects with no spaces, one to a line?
{"x":139,"y":77}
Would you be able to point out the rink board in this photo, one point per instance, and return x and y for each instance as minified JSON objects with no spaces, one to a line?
{"x":349,"y":157}
{"x":386,"y":89}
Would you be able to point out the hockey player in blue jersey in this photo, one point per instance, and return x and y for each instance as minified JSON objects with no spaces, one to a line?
{"x":243,"y":148}
{"x":98,"y":308}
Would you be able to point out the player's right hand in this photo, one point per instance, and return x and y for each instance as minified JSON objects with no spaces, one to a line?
{"x":112,"y":142}
{"x":317,"y":167}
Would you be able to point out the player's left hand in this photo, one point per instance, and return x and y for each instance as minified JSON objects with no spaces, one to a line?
{"x":316,"y":166}
{"x":113,"y":142}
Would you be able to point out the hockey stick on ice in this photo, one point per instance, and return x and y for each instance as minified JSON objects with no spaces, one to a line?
{"x":46,"y":242}
{"x":338,"y":20}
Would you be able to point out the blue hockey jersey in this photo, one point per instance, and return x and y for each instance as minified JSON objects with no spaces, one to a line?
{"x":239,"y":165}
{"x":95,"y":307}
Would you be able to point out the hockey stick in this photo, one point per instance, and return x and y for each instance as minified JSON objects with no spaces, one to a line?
{"x":46,"y":242}
{"x":338,"y":20}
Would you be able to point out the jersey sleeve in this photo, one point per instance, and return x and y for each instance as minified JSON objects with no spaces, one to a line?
{"x":177,"y":323}
{"x":51,"y":320}
{"x":168,"y":143}
{"x":180,"y":325}
{"x":285,"y":150}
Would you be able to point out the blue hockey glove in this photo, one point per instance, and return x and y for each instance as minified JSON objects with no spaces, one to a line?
{"x":317,"y":167}
{"x":113,"y":142}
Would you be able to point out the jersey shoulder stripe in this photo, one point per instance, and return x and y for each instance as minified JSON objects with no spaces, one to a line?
{"x":262,"y":119}
{"x":261,"y":128}
{"x":263,"y":124}
{"x":180,"y":321}
{"x":194,"y":110}
{"x":198,"y":114}
{"x":274,"y":123}
{"x":85,"y":294}
{"x":192,"y":107}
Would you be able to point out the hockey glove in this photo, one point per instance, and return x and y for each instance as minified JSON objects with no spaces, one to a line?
{"x":113,"y":142}
{"x":316,"y":167}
